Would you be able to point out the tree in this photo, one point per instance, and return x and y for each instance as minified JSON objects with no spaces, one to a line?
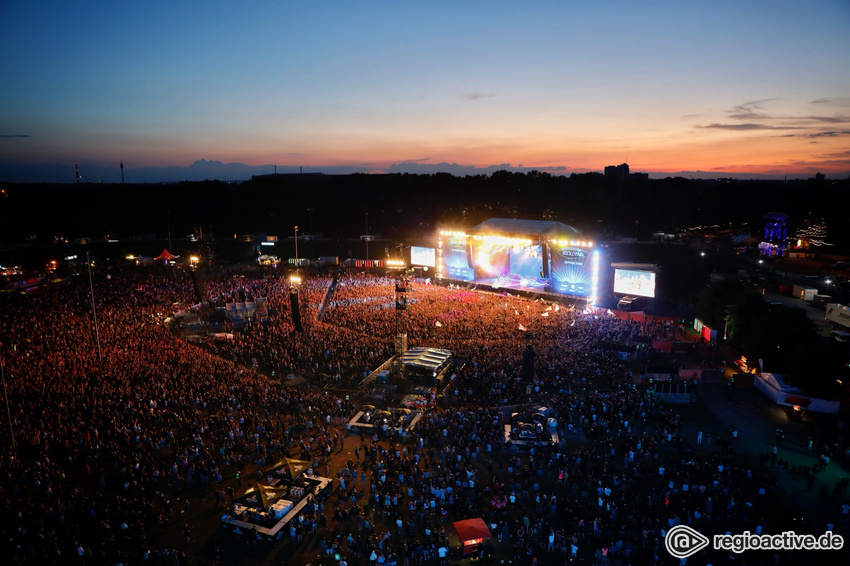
{"x":715,"y":300}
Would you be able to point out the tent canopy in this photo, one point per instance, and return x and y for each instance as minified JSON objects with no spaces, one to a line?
{"x":165,"y":256}
{"x":470,"y":529}
{"x":288,"y":468}
{"x":427,"y":358}
{"x":268,"y":494}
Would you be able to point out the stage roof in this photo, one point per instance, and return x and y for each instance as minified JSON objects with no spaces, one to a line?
{"x":545,"y":229}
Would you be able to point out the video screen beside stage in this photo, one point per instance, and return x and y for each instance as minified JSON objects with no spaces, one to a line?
{"x":423,"y":256}
{"x":572,"y":270}
{"x":634,"y":282}
{"x":455,"y":258}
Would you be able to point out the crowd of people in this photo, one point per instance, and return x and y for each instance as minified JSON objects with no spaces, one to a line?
{"x":119,"y":429}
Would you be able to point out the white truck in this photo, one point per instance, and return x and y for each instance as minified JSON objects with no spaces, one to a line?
{"x":838,"y":315}
{"x":805,"y":292}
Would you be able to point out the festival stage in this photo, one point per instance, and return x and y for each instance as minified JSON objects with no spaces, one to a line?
{"x":532,"y":257}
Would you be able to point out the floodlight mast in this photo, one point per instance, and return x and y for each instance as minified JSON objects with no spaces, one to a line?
{"x":296,"y":247}
{"x":8,"y":411}
{"x":94,"y":312}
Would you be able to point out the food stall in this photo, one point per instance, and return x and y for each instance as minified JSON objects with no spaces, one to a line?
{"x":472,"y":534}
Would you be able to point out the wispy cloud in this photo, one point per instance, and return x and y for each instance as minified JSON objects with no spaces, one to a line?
{"x":831,"y":134}
{"x":751,"y":116}
{"x":10,"y":136}
{"x":751,"y":110}
{"x":827,"y":119}
{"x":839,"y":155}
{"x":477,"y":95}
{"x":837,"y":100}
{"x":747,"y":127}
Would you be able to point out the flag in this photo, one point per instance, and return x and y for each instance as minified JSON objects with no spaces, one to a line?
{"x":521,"y":327}
{"x":545,"y":314}
{"x":549,"y":308}
{"x":516,"y":312}
{"x":557,"y":308}
{"x":573,"y":323}
{"x":438,"y":323}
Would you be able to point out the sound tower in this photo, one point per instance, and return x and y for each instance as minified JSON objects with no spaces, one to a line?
{"x":295,"y":310}
{"x":401,"y":343}
{"x":528,"y":363}
{"x":402,"y":286}
{"x":197,"y":285}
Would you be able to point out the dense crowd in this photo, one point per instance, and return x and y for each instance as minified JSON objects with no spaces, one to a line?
{"x":113,"y":428}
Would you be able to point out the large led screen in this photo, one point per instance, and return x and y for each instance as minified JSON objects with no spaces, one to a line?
{"x":634,"y":282}
{"x":508,"y":266}
{"x":423,"y":256}
{"x":456,"y":259}
{"x":490,"y":260}
{"x":572,"y":271}
{"x":527,"y":262}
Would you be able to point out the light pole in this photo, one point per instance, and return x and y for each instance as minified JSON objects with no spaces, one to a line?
{"x":8,"y":411}
{"x":367,"y":238}
{"x":94,"y":312}
{"x":296,"y":247}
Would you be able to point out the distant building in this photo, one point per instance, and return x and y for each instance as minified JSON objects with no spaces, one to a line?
{"x":621,"y":173}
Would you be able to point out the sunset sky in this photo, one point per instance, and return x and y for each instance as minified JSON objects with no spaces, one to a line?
{"x":759,"y":87}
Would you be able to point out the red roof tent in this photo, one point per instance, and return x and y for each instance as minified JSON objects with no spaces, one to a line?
{"x":165,"y":256}
{"x":471,"y":529}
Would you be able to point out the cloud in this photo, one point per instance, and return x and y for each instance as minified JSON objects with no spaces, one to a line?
{"x":832,"y":134}
{"x":838,"y":100}
{"x":746,"y":127}
{"x":459,"y":170}
{"x":839,"y":155}
{"x":477,"y":95}
{"x":827,"y":119}
{"x":747,"y":110}
{"x":10,"y":136}
{"x":749,"y":116}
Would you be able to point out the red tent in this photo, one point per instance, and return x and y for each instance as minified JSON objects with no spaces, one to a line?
{"x":165,"y":256}
{"x":472,"y":533}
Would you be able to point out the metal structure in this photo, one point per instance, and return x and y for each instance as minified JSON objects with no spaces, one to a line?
{"x":402,"y":286}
